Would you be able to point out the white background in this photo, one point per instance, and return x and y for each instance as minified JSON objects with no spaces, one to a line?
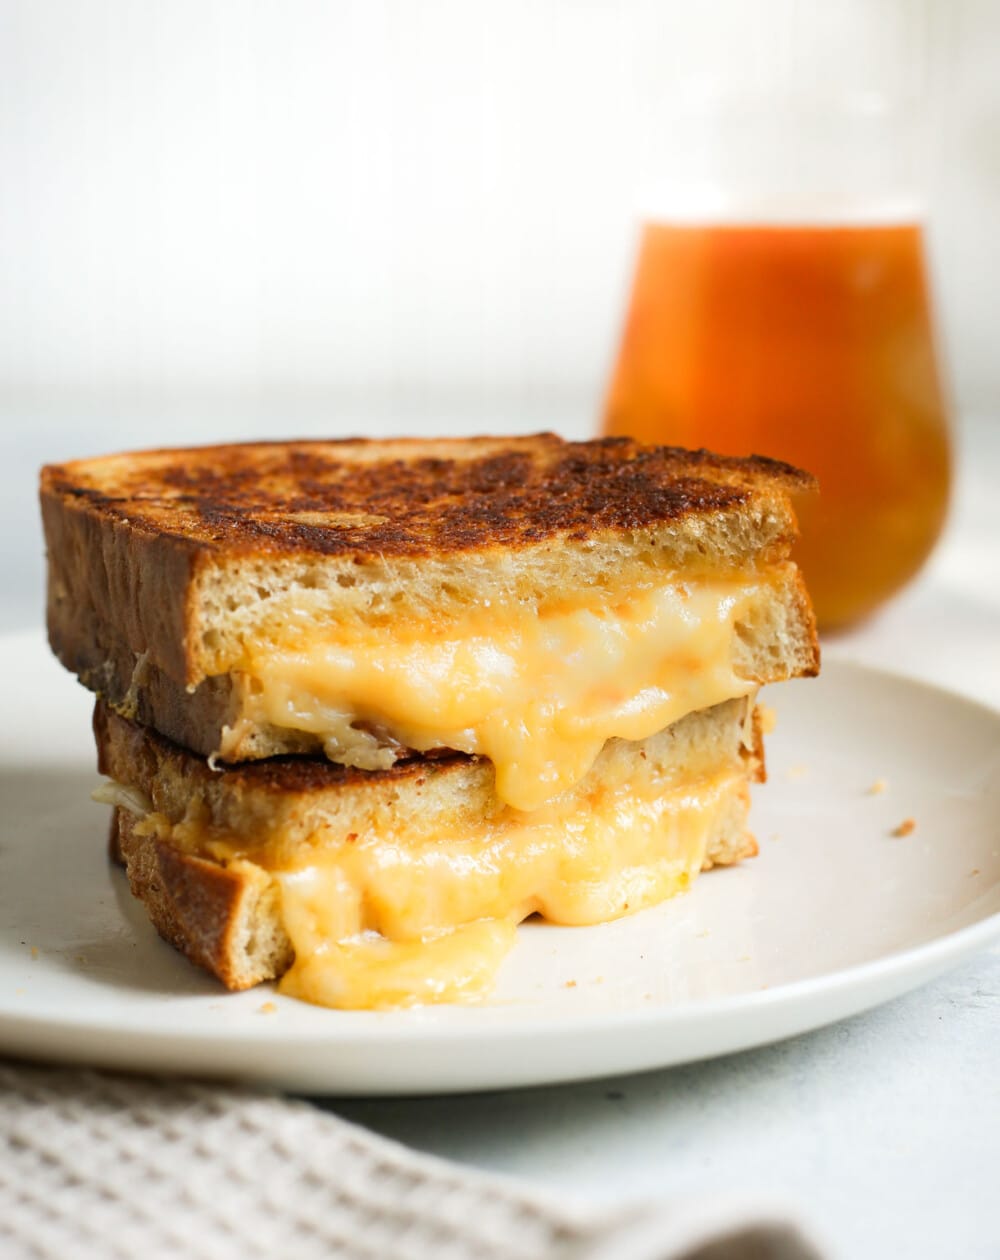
{"x":393,"y":200}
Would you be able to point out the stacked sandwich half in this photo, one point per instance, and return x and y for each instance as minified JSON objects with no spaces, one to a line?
{"x":365,"y":706}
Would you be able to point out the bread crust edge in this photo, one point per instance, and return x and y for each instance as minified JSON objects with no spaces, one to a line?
{"x":201,"y":908}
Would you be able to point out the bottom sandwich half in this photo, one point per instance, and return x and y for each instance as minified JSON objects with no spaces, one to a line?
{"x":373,"y":889}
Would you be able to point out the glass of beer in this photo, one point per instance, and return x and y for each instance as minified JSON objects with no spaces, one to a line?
{"x":788,"y":312}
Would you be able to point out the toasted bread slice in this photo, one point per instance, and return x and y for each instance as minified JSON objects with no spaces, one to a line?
{"x":187,"y":555}
{"x":182,"y":584}
{"x":218,"y":857}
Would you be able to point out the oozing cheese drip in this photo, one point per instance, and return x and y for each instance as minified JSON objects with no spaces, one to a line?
{"x":538,"y":694}
{"x":371,"y":973}
{"x":389,"y":922}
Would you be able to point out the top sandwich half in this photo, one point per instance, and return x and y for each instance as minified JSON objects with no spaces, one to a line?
{"x":522,"y":599}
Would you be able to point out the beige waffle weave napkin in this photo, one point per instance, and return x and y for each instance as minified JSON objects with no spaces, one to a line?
{"x":94,"y":1165}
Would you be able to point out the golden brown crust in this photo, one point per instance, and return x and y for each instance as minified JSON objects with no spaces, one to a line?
{"x":199,"y":906}
{"x":408,"y":497}
{"x":110,"y":579}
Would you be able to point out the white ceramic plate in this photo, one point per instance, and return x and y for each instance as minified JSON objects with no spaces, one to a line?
{"x":834,"y":916}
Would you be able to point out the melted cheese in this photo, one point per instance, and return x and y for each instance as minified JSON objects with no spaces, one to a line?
{"x":539,"y":694}
{"x":371,"y":973}
{"x":395,"y":922}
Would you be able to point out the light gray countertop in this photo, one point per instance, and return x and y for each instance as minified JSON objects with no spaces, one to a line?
{"x":883,"y":1131}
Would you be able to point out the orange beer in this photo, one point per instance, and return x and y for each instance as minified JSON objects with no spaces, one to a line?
{"x":813,"y":344}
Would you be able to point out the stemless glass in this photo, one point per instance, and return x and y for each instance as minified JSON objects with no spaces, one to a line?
{"x":781,"y":306}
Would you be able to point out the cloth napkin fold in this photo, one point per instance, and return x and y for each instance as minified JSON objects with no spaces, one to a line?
{"x":94,"y":1165}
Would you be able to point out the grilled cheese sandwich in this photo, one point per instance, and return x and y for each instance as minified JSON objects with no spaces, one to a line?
{"x":499,"y":633}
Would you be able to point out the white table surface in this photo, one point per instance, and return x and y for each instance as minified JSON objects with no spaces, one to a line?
{"x":883,"y":1132}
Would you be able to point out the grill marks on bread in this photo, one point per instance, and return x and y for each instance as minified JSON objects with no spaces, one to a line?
{"x":413,"y":498}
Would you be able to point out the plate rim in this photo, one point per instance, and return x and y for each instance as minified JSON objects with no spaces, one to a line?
{"x":959,"y":943}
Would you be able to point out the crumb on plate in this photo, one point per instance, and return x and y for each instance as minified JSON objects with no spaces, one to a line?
{"x":905,"y":828}
{"x":266,"y":1008}
{"x":878,"y":787}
